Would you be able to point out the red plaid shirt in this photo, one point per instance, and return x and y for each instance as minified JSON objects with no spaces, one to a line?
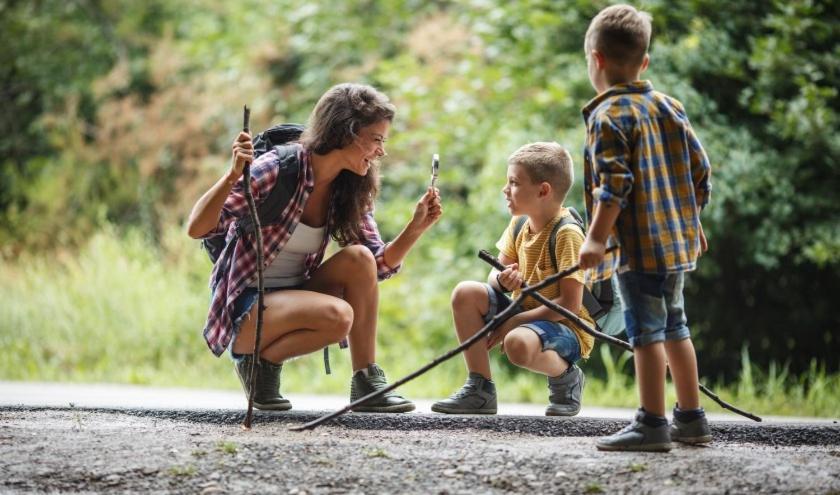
{"x":235,"y":269}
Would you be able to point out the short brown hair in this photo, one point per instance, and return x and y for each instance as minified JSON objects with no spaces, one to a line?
{"x":546,"y":162}
{"x":620,"y":33}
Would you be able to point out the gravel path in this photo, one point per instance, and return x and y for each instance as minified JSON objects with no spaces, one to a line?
{"x":72,"y":449}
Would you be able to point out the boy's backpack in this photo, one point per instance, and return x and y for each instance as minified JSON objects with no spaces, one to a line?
{"x":600,"y":301}
{"x":269,"y":209}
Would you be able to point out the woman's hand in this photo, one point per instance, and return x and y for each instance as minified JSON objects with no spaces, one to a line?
{"x":427,"y":211}
{"x":242,"y":153}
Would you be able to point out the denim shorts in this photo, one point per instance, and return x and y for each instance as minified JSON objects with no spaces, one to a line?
{"x":654,"y":308}
{"x":553,"y":335}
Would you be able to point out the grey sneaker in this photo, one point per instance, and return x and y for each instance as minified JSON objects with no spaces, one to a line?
{"x":693,"y":432}
{"x":477,"y":396}
{"x":267,"y":396}
{"x":565,"y":392}
{"x":638,"y":437}
{"x":361,"y":385}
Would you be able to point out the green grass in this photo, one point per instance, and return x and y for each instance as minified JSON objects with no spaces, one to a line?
{"x":122,"y":311}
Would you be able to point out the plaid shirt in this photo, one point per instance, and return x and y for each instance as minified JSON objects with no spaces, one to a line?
{"x":642,"y":154}
{"x":237,"y":264}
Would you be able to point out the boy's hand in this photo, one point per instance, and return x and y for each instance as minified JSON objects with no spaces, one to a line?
{"x":510,"y":279}
{"x":704,"y":244}
{"x":591,"y":253}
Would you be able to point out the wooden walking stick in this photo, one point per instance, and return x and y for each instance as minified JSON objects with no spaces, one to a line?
{"x":255,"y":219}
{"x":495,"y":263}
{"x":484,"y":332}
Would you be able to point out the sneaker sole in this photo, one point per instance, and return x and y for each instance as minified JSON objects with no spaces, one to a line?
{"x":693,"y":440}
{"x":653,"y":447}
{"x":549,"y":412}
{"x":398,"y":408}
{"x":447,"y":410}
{"x":285,"y":406}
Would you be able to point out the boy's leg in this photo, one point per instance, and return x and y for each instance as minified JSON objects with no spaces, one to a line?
{"x":470,"y":302}
{"x":524,"y":348}
{"x":473,"y":303}
{"x":548,"y":347}
{"x":645,"y":315}
{"x":690,"y":424}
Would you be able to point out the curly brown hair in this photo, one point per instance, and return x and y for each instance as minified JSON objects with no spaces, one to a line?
{"x":335,"y":122}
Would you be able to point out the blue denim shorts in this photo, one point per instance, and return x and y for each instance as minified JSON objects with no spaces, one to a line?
{"x":553,"y":335}
{"x":654,"y":308}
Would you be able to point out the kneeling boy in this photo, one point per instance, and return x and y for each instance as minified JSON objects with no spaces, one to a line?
{"x":539,"y":176}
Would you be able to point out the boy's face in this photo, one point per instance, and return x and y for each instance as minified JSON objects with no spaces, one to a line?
{"x":521,"y":193}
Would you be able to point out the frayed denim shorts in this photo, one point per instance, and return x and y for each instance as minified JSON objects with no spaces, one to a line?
{"x":553,"y":335}
{"x":654,"y":308}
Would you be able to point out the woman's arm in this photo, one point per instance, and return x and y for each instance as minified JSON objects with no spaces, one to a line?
{"x":205,"y":215}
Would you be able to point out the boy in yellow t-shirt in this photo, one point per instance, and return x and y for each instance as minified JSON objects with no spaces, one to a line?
{"x":539,"y":176}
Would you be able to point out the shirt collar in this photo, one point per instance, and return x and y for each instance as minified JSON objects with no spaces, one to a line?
{"x":618,"y":89}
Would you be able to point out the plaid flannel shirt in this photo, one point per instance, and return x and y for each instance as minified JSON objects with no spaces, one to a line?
{"x":642,"y":154}
{"x":237,"y":264}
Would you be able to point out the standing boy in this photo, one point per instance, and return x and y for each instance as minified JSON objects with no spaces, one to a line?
{"x":539,"y":175}
{"x":647,"y":179}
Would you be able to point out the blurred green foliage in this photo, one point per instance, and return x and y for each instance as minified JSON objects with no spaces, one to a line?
{"x":119,"y":113}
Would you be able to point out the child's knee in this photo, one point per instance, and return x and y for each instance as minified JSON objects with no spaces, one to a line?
{"x":518,"y":348}
{"x":467,"y":294}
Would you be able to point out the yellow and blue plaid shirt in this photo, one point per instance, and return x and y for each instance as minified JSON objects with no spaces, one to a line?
{"x":642,"y":154}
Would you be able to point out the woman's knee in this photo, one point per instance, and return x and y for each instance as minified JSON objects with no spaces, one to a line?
{"x":360,"y":257}
{"x":467,"y":293}
{"x":519,"y":348}
{"x":338,"y":319}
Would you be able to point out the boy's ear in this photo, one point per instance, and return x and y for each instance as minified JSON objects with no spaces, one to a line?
{"x":545,"y":189}
{"x":598,"y":59}
{"x":645,"y":63}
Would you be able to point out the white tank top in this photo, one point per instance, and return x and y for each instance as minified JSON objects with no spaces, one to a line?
{"x":288,"y":267}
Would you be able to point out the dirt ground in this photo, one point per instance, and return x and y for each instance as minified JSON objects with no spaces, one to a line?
{"x":101,"y":450}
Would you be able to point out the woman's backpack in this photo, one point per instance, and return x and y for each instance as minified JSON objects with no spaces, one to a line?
{"x":600,"y":301}
{"x":277,"y":138}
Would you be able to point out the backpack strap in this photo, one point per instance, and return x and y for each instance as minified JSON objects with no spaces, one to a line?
{"x":272,"y":206}
{"x":593,"y":307}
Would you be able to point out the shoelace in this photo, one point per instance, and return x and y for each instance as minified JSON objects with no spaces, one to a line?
{"x":467,"y":389}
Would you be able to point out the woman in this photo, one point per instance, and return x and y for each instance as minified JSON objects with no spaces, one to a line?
{"x":310,"y":304}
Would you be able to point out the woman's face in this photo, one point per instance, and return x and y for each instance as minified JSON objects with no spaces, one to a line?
{"x":367,"y":147}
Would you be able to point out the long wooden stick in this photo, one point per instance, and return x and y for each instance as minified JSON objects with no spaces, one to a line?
{"x":484,"y":332}
{"x":489,"y":258}
{"x":255,"y":218}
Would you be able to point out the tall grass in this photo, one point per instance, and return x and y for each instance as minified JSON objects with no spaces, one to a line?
{"x":121,"y":310}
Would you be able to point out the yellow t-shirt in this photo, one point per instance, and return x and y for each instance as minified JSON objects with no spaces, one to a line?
{"x":531,"y":252}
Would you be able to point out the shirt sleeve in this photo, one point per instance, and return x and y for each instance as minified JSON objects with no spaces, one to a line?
{"x":609,"y":153}
{"x":701,"y":170}
{"x":372,"y":240}
{"x":264,"y":172}
{"x":507,"y":244}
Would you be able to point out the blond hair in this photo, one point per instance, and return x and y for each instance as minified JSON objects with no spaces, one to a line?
{"x":621,"y":34}
{"x":546,"y":162}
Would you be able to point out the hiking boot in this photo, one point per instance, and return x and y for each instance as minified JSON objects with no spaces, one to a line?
{"x":362,"y":385}
{"x":565,"y":392}
{"x":638,"y":437}
{"x":477,"y":396}
{"x":267,"y":395}
{"x":692,"y":432}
